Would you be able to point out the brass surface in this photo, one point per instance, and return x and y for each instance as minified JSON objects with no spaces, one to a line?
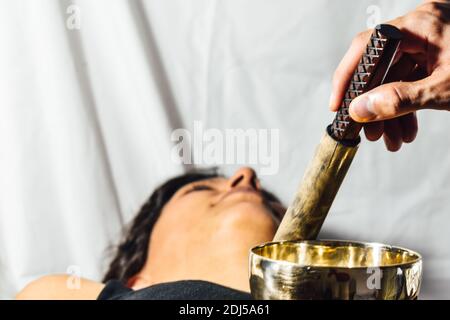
{"x":334,"y":269}
{"x":316,"y":193}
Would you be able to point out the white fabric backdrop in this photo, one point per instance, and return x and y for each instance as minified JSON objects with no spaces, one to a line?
{"x":86,"y":117}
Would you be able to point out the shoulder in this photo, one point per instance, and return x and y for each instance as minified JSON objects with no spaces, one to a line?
{"x":64,"y":287}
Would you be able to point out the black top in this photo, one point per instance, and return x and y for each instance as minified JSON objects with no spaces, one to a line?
{"x":178,"y":290}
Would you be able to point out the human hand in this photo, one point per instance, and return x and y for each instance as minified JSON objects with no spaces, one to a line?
{"x":422,"y":65}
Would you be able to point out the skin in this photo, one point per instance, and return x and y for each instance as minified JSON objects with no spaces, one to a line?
{"x":205,"y":232}
{"x":423,"y":65}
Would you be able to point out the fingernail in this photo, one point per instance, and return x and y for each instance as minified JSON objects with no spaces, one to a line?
{"x":362,"y":107}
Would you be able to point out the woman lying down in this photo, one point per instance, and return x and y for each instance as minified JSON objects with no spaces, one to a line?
{"x":190,"y":240}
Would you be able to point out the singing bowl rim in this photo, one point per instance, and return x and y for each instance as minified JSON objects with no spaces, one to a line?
{"x":417,"y":259}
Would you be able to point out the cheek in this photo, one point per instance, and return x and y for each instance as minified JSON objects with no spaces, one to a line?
{"x":181,"y":219}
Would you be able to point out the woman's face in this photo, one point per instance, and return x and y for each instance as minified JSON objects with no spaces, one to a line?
{"x":209,"y":220}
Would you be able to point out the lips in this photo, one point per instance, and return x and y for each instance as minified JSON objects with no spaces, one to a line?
{"x":240,"y":190}
{"x":277,"y":215}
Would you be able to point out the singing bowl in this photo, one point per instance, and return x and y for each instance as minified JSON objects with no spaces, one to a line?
{"x":334,"y":270}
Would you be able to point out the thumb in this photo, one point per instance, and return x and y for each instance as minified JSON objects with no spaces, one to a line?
{"x":388,"y":101}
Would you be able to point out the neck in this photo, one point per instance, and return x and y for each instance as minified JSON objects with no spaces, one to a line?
{"x":230,"y":269}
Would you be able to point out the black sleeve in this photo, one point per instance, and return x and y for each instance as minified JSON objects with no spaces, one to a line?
{"x":113,"y":290}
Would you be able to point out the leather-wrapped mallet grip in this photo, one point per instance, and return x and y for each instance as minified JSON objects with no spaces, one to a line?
{"x":370,"y":73}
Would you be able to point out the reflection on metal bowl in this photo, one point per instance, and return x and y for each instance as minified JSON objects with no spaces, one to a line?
{"x":334,"y":269}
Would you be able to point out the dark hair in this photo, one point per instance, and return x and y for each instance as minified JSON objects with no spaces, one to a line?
{"x":131,"y":254}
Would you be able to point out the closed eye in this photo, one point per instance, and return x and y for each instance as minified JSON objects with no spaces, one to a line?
{"x":199,"y":187}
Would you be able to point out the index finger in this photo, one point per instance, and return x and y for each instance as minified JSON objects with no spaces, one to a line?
{"x":346,"y":68}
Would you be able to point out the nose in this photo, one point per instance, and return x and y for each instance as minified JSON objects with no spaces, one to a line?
{"x":244,"y":177}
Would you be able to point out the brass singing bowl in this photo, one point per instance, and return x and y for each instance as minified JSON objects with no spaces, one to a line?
{"x":334,"y":269}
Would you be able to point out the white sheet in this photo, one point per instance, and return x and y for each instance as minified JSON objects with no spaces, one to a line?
{"x":86,"y":117}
